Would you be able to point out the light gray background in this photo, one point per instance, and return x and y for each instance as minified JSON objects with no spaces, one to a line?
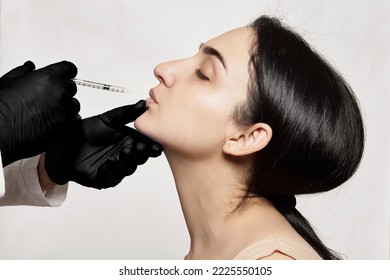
{"x":119,"y":42}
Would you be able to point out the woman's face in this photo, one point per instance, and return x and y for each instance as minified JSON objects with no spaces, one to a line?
{"x":190,"y":110}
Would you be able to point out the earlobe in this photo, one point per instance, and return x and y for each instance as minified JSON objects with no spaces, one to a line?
{"x":249,"y":140}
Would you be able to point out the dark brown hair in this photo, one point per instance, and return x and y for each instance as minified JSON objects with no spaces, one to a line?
{"x":317,"y":129}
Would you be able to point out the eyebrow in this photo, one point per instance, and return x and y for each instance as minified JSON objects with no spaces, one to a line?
{"x":206,"y":49}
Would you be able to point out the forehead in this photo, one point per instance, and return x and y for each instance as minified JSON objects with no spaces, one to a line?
{"x":234,"y":45}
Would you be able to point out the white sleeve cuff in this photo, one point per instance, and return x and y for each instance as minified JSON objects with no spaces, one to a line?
{"x":22,"y":186}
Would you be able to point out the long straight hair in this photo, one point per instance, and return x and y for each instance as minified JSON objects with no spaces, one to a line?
{"x":317,"y":129}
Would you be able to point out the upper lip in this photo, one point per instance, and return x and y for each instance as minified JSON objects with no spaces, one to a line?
{"x":153,"y":95}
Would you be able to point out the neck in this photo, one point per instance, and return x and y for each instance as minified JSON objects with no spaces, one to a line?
{"x":209,"y":193}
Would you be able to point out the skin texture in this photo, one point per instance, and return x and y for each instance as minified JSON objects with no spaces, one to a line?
{"x":208,"y":151}
{"x":185,"y":101}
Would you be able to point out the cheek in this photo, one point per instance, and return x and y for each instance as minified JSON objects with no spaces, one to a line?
{"x":168,"y":125}
{"x":180,"y":126}
{"x":195,"y":126}
{"x":199,"y":127}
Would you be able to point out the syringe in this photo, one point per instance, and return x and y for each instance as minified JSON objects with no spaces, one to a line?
{"x":102,"y":86}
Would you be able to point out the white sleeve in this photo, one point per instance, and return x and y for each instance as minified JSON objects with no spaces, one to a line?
{"x":19,"y":185}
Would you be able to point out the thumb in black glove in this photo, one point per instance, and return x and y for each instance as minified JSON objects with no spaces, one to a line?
{"x":8,"y":79}
{"x":101,"y":150}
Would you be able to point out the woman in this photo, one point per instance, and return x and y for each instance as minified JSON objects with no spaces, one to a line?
{"x":253,"y":119}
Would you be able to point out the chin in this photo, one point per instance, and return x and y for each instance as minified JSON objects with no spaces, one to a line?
{"x":140,"y":126}
{"x":143,"y":127}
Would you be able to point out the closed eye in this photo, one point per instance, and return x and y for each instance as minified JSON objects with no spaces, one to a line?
{"x":200,"y":75}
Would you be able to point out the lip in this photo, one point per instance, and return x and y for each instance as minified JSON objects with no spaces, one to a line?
{"x":153,"y":96}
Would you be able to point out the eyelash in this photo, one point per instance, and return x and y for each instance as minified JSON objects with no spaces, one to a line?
{"x":200,"y":75}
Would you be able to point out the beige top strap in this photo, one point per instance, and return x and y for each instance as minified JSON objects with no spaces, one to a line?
{"x":267,"y":247}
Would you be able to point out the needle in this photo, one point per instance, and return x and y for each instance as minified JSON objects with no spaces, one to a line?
{"x":102,"y":86}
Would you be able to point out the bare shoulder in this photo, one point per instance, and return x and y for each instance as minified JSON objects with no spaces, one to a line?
{"x":277,"y":256}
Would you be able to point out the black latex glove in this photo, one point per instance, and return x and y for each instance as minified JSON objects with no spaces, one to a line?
{"x":101,"y":150}
{"x":35,"y":107}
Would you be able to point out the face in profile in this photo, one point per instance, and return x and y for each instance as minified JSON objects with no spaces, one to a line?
{"x":190,"y":110}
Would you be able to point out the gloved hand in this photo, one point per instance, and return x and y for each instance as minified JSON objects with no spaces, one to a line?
{"x":35,"y":107}
{"x":101,"y":150}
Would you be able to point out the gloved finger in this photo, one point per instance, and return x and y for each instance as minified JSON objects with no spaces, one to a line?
{"x":111,"y":177}
{"x":70,"y":87}
{"x":154,"y":149}
{"x":127,"y":162}
{"x":64,"y":69}
{"x":72,"y":105}
{"x":21,"y":70}
{"x":137,"y":150}
{"x":68,"y":108}
{"x":110,"y":174}
{"x":125,"y":114}
{"x":76,"y":106}
{"x":142,"y":153}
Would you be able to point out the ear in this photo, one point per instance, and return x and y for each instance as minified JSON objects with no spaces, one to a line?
{"x":248,"y":140}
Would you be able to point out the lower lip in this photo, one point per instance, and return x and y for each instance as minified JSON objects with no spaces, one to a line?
{"x":150,"y":101}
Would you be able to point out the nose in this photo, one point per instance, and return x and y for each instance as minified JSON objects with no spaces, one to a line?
{"x":164,"y":72}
